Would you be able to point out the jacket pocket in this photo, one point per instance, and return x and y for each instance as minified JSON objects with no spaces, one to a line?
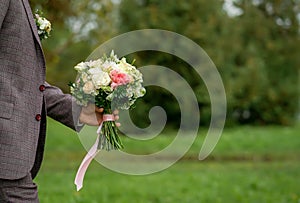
{"x":6,"y":109}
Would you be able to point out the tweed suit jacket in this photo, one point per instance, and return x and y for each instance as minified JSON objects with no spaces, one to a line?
{"x":25,"y":97}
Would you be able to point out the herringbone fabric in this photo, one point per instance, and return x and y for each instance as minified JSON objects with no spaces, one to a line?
{"x":22,"y":72}
{"x":18,"y":191}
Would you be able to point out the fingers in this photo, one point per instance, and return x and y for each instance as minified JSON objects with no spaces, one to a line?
{"x":99,"y":113}
{"x":99,"y":110}
{"x":99,"y":118}
{"x":116,"y":118}
{"x":116,"y":115}
{"x":93,"y":115}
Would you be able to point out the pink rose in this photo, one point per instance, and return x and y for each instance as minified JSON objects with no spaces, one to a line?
{"x":118,"y":78}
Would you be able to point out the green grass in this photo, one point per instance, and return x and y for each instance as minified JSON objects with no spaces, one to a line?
{"x":249,"y":164}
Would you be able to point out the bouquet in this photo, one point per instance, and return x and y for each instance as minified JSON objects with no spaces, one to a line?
{"x":43,"y":25}
{"x":109,"y":83}
{"x":112,"y":84}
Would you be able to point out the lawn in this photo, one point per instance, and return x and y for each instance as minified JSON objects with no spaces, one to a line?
{"x":249,"y":164}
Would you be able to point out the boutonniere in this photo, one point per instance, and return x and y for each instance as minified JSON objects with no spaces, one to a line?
{"x":43,"y":25}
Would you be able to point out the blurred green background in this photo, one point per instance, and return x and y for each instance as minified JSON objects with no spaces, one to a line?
{"x":255,"y":44}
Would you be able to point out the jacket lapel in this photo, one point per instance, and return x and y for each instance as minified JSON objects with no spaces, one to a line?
{"x":31,"y":21}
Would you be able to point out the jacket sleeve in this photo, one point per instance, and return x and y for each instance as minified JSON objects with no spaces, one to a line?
{"x":4,"y":4}
{"x":62,"y":107}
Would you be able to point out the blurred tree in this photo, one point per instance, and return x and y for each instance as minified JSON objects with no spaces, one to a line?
{"x":198,"y":20}
{"x":79,"y":26}
{"x":268,"y":57}
{"x":256,"y":53}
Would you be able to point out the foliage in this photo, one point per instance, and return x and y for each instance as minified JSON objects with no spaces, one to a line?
{"x":78,"y":28}
{"x":255,"y":53}
{"x":267,"y":62}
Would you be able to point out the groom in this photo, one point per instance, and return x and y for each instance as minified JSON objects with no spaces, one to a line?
{"x":25,"y":101}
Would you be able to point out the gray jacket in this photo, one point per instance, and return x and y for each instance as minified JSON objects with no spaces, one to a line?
{"x":25,"y":97}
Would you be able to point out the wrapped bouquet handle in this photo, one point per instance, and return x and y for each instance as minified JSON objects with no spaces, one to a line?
{"x":91,"y":154}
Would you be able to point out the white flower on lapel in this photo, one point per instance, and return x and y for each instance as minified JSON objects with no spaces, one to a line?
{"x":43,"y":25}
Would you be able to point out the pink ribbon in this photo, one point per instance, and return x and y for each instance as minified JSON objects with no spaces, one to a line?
{"x":90,"y":155}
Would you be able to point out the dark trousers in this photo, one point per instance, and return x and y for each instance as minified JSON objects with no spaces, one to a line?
{"x":18,"y":191}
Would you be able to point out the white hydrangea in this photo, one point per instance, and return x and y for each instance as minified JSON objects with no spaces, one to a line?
{"x":95,"y":64}
{"x":107,"y":66}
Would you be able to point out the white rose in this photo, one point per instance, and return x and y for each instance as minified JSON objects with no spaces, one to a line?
{"x":48,"y":27}
{"x":100,"y":78}
{"x":80,"y":67}
{"x":88,"y":88}
{"x":43,"y":23}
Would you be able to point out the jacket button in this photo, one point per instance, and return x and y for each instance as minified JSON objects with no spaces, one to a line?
{"x":38,"y":117}
{"x":42,"y":88}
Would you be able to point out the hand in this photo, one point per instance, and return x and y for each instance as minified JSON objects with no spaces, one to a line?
{"x":92,"y":115}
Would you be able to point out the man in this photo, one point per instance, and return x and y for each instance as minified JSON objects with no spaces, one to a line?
{"x":25,"y":100}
